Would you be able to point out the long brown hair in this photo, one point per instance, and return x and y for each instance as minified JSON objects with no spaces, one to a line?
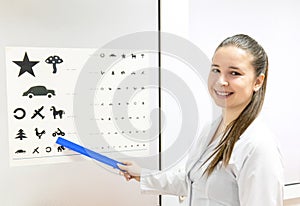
{"x":237,"y":127}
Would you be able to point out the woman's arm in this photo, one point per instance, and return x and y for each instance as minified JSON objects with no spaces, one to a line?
{"x":261,"y":180}
{"x":173,"y":182}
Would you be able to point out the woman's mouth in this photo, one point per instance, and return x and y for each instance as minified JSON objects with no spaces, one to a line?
{"x":223,"y":94}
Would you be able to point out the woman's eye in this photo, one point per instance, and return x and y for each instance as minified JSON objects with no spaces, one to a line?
{"x":235,"y":73}
{"x":215,"y":70}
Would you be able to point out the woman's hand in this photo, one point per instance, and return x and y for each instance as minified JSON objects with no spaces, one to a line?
{"x":130,"y":170}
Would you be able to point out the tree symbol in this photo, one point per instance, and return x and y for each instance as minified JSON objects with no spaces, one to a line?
{"x":21,"y":135}
{"x":54,"y":60}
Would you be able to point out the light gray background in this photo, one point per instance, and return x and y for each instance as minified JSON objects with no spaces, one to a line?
{"x":276,"y":26}
{"x":74,"y":23}
{"x":65,"y":24}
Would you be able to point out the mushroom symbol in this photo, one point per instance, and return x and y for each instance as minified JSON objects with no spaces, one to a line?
{"x":54,"y":60}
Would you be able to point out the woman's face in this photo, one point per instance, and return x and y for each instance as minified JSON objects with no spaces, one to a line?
{"x":232,"y":78}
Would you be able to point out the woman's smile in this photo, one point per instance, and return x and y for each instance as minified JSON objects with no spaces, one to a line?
{"x":232,"y":78}
{"x":223,"y":94}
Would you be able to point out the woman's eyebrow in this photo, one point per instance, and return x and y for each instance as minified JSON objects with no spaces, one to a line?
{"x":233,"y":67}
{"x":230,"y":67}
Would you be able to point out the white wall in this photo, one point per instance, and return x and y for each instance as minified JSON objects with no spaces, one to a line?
{"x":93,"y":23}
{"x":275,"y":25}
{"x":65,"y":24}
{"x":174,"y":21}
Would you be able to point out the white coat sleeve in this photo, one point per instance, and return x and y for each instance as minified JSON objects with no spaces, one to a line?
{"x":260,"y":180}
{"x":172,"y":182}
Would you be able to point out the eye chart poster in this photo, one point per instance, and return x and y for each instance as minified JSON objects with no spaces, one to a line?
{"x":41,"y":94}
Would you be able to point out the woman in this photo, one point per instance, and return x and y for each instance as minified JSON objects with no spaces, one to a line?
{"x":238,"y":162}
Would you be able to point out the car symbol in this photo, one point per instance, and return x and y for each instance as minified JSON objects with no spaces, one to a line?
{"x":20,"y":151}
{"x":39,"y":91}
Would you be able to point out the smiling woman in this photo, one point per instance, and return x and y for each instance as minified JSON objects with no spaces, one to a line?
{"x":238,"y":161}
{"x":239,"y":70}
{"x":232,"y":71}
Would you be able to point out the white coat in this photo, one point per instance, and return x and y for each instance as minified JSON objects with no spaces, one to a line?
{"x":253,"y":177}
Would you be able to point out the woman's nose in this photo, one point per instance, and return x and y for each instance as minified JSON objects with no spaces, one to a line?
{"x":222,"y":81}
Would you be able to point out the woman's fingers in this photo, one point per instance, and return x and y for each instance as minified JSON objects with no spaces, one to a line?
{"x":129,"y":170}
{"x":122,"y":166}
{"x":124,"y":171}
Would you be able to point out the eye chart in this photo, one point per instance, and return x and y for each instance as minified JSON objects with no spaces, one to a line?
{"x":101,"y":99}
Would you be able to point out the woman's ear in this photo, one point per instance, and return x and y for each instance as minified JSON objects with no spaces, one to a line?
{"x":259,"y":82}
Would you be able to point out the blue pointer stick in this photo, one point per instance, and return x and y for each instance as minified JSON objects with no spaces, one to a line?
{"x":89,"y":153}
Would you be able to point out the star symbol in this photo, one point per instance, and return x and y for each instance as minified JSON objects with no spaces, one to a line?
{"x":26,"y":65}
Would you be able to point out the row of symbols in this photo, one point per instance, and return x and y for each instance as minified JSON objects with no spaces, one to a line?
{"x":120,"y":118}
{"x":38,"y":150}
{"x":123,"y":56}
{"x":118,"y":88}
{"x":39,"y":133}
{"x":119,"y":147}
{"x":124,"y":132}
{"x":20,"y":113}
{"x":26,"y":66}
{"x":135,"y":103}
{"x":123,"y":72}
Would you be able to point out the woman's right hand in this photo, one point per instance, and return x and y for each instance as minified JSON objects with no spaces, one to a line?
{"x":130,"y":170}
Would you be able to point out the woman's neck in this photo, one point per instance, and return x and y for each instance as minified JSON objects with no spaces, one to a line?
{"x":229,"y":115}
